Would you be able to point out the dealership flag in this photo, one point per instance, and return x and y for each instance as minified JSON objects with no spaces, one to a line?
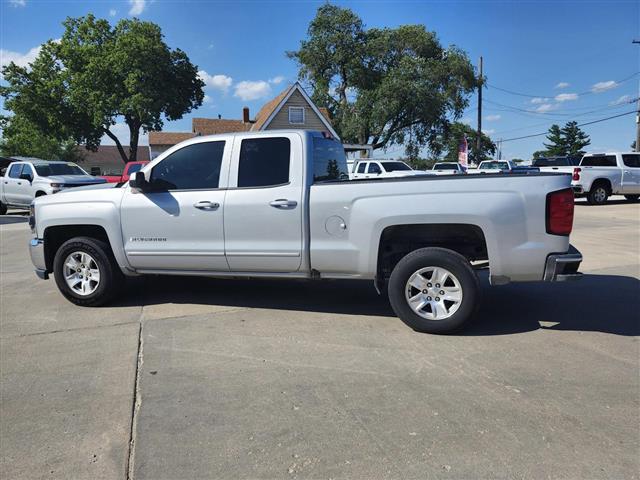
{"x":463,"y":151}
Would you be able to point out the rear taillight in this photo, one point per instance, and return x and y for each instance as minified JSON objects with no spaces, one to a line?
{"x":576,"y":174}
{"x":560,"y":212}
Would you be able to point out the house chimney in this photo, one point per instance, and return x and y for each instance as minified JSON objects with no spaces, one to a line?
{"x":219,"y":116}
{"x":245,"y":115}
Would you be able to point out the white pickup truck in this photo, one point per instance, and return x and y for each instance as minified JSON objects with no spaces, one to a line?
{"x":383,"y":169}
{"x":25,"y":180}
{"x":280,"y":204}
{"x":600,"y":175}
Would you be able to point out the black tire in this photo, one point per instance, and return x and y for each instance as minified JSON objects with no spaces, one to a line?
{"x":3,"y":209}
{"x":434,"y":257}
{"x":111,"y":278}
{"x":632,"y":198}
{"x":598,"y":194}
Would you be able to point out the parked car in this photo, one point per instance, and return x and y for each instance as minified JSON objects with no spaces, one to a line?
{"x":502,"y":166}
{"x":26,"y":180}
{"x":280,"y":204}
{"x":556,"y":164}
{"x":382,"y":169}
{"x":449,"y":168}
{"x":601,"y":175}
{"x":129,"y":169}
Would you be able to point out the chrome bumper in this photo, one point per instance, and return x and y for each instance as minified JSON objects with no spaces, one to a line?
{"x":562,"y":267}
{"x":36,"y":250}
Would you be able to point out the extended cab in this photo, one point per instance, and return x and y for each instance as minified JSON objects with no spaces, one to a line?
{"x":129,"y":169}
{"x":600,"y":175}
{"x":280,"y":204}
{"x":25,"y":180}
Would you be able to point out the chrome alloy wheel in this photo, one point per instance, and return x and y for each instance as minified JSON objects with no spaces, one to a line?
{"x":81,"y":273}
{"x":600,"y":194}
{"x":433,"y":293}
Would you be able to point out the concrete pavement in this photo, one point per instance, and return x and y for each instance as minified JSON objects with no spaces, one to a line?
{"x":259,"y":379}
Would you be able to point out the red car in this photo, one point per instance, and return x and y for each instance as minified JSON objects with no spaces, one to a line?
{"x":129,"y":169}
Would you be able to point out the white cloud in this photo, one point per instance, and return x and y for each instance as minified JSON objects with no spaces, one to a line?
{"x":621,"y":100}
{"x":112,"y":12}
{"x":566,"y":97}
{"x":210,"y":46}
{"x":18,"y":3}
{"x":121,"y":130}
{"x":207,"y":99}
{"x":488,"y":132}
{"x":562,"y":85}
{"x":20,"y":59}
{"x":249,"y":90}
{"x":276,"y":80}
{"x":492,"y":118}
{"x":603,"y":86}
{"x":137,"y":7}
{"x":539,"y":100}
{"x":219,"y":82}
{"x":546,"y":107}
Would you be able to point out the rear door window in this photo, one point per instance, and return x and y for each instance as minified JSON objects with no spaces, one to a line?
{"x":374,"y":168}
{"x":361,"y":167}
{"x":599,"y":161}
{"x":264,"y":162}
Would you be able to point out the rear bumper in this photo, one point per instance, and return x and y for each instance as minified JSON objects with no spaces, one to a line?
{"x":562,"y":267}
{"x":36,"y":250}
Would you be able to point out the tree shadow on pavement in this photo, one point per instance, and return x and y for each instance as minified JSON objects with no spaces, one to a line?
{"x":602,"y":303}
{"x":9,"y":219}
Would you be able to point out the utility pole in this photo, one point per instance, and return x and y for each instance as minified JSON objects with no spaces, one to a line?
{"x":479,"y":137}
{"x":635,"y":40}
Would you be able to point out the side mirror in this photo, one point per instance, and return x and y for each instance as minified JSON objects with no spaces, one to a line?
{"x":26,"y":176}
{"x":139,"y":182}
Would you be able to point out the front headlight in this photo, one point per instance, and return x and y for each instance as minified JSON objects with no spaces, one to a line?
{"x":32,"y":218}
{"x":57,"y":185}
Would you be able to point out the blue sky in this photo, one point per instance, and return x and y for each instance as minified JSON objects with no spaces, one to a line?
{"x":569,"y":57}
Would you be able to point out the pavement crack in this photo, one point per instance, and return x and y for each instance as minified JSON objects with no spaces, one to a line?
{"x":137,"y":402}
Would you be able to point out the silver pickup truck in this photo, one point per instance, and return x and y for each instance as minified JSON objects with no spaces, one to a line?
{"x":280,"y":204}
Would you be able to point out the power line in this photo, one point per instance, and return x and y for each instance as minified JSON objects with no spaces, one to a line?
{"x":588,"y":92}
{"x":580,"y":125}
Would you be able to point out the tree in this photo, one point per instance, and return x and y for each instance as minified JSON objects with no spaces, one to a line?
{"x":382,"y":85}
{"x":20,"y":137}
{"x":80,"y":86}
{"x":449,"y":143}
{"x":566,"y":141}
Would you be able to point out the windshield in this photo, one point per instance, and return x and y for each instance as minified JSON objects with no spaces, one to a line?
{"x":329,"y":161}
{"x":59,"y":169}
{"x":445,"y":166}
{"x":494,"y":166}
{"x":395,"y":166}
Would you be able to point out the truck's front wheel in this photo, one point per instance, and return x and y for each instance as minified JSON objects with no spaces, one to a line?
{"x":85,"y":272}
{"x":434,"y":290}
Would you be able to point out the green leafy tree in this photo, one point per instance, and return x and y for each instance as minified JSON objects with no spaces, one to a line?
{"x":20,"y":137}
{"x":574,"y":139}
{"x":566,"y":141}
{"x":80,"y":86}
{"x":449,"y":143}
{"x":383,"y":85}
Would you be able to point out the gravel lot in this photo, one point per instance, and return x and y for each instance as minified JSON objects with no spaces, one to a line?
{"x":203,"y":378}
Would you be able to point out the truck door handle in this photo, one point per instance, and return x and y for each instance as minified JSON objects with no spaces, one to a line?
{"x":283,"y":203}
{"x":206,"y":205}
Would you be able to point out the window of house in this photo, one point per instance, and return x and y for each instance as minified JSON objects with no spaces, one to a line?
{"x":14,"y":170}
{"x":599,"y":161}
{"x":194,"y":167}
{"x":264,"y":162}
{"x":296,"y":115}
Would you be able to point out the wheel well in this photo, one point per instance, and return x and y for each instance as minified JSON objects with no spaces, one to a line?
{"x":40,"y":193}
{"x":602,"y":181}
{"x":399,"y":240}
{"x":54,"y":237}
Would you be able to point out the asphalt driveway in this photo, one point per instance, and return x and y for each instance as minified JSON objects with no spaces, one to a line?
{"x":204,"y":378}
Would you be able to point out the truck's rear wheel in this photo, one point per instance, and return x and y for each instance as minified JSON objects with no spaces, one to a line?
{"x":434,"y":290}
{"x":85,"y":272}
{"x":598,"y":194}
